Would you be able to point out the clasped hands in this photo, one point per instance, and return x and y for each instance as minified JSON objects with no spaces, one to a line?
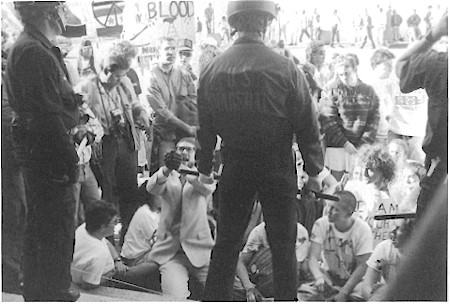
{"x":321,"y":283}
{"x":172,"y":160}
{"x":253,"y":294}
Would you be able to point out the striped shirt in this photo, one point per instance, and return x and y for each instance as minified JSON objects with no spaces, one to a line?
{"x":349,"y":114}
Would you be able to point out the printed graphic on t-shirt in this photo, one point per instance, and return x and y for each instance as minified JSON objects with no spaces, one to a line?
{"x":339,"y":254}
{"x":408,"y":102}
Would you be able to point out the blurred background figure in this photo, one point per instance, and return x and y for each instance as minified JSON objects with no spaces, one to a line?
{"x":86,"y":61}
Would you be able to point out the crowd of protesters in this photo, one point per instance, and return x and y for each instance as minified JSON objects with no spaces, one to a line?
{"x":379,"y":26}
{"x":106,"y":150}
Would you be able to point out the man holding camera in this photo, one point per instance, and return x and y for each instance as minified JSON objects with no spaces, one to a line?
{"x":111,"y":97}
{"x":46,"y":109}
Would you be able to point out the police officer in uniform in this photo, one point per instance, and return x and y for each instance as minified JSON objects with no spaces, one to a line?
{"x":255,"y":100}
{"x":46,"y":109}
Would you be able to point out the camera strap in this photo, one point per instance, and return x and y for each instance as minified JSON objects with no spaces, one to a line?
{"x":108,"y":123}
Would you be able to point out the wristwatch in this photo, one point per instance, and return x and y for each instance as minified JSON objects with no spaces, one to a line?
{"x":429,"y":37}
{"x":118,"y":259}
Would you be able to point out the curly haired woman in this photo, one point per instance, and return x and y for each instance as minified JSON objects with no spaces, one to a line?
{"x":373,"y":194}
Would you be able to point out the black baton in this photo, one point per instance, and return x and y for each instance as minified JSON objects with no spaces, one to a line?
{"x":316,"y":193}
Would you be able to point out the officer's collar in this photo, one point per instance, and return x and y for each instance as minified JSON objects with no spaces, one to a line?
{"x":249,"y":39}
{"x":32,"y":31}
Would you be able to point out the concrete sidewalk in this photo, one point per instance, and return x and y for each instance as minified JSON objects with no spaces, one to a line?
{"x":106,"y":294}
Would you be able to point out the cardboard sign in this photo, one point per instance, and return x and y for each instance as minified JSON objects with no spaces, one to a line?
{"x":146,"y":21}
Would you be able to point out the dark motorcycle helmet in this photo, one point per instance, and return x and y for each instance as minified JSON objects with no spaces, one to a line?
{"x":236,"y":8}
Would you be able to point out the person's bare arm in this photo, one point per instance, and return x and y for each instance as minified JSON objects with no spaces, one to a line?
{"x":354,"y":279}
{"x":371,"y":277}
{"x":313,"y":265}
{"x":241,"y":270}
{"x":251,"y":292}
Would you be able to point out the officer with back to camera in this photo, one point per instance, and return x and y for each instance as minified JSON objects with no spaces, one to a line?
{"x":255,"y":100}
{"x":46,"y":109}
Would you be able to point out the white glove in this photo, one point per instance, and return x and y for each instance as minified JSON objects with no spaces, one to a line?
{"x":206,"y":179}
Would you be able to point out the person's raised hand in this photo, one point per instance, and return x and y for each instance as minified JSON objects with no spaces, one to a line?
{"x":172,"y":160}
{"x":120,"y":267}
{"x":320,"y":284}
{"x":253,"y":295}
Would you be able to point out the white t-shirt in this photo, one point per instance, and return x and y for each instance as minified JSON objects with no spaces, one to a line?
{"x":370,"y":202}
{"x":386,"y":89}
{"x":407,"y":112}
{"x":138,"y":239}
{"x":384,"y":259}
{"x":257,"y":239}
{"x":341,"y":248}
{"x":91,"y":258}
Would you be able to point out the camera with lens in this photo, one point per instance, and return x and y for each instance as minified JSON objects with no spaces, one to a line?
{"x":117,"y":121}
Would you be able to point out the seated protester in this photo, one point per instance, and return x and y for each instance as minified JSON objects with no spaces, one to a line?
{"x":374,"y":192}
{"x":184,"y":242}
{"x":385,"y":259}
{"x":95,"y":259}
{"x":140,"y":236}
{"x":406,"y":189}
{"x":398,"y":150}
{"x":345,"y":242}
{"x":254,"y":278}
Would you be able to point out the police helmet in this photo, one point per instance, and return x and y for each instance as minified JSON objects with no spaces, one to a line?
{"x":37,"y":4}
{"x":235,"y":8}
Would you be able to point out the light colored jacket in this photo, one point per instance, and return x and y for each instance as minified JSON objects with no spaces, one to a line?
{"x":130,"y":105}
{"x":192,"y":232}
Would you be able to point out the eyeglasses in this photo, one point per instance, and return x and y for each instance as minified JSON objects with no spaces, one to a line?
{"x":188,"y":149}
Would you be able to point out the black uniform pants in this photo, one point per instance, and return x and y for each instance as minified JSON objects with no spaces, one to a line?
{"x":271,"y":175}
{"x":13,"y":214}
{"x":49,"y":236}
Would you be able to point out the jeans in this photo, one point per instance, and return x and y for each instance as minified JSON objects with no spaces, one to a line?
{"x":304,"y":31}
{"x":49,"y":236}
{"x":120,"y":186}
{"x":396,"y":32}
{"x":175,"y":276}
{"x":87,"y":189}
{"x":271,"y":175}
{"x":368,"y":35}
{"x":335,"y":34}
{"x":430,"y":186}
